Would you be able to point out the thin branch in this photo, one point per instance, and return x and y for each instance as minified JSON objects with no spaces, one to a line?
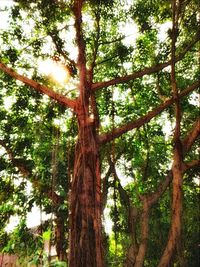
{"x":188,"y":141}
{"x":191,"y":136}
{"x":105,"y":187}
{"x":63,"y":100}
{"x":18,"y":163}
{"x":145,"y":71}
{"x":105,"y":60}
{"x":81,"y":61}
{"x":115,"y":40}
{"x":105,"y":180}
{"x":96,"y":45}
{"x":71,"y":63}
{"x":117,"y":132}
{"x":131,"y":210}
{"x":153,"y":198}
{"x":192,"y":164}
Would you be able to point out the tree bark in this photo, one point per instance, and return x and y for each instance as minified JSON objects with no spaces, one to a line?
{"x":177,"y":168}
{"x":60,"y":237}
{"x":85,"y":202}
{"x":144,"y":220}
{"x":175,"y":231}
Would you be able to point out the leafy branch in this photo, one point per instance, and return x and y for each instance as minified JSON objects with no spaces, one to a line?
{"x":63,"y":100}
{"x":145,"y":71}
{"x":117,"y":132}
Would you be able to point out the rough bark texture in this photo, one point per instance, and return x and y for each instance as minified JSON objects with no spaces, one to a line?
{"x":177,"y":167}
{"x":60,"y":236}
{"x":85,"y":217}
{"x":144,"y":220}
{"x":175,"y":230}
{"x":85,"y":198}
{"x":133,"y":248}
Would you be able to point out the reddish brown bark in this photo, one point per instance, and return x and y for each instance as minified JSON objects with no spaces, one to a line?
{"x":85,"y":218}
{"x":39,"y":87}
{"x":144,"y":220}
{"x":133,"y":248}
{"x":191,"y":136}
{"x":60,"y":237}
{"x":85,"y":197}
{"x":177,"y":167}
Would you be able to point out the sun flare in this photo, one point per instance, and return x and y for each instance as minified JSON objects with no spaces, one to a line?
{"x":55,"y":70}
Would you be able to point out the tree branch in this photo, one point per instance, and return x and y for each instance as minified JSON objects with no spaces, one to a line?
{"x":18,"y":163}
{"x":153,"y":198}
{"x":174,"y":236}
{"x":117,"y":132}
{"x":115,"y":40}
{"x":188,"y":141}
{"x":192,"y":164}
{"x":63,"y":100}
{"x":71,"y":64}
{"x":191,"y":136}
{"x":132,"y":213}
{"x":96,"y":45}
{"x":81,"y":61}
{"x":144,"y":231}
{"x":145,"y":71}
{"x":105,"y":187}
{"x":61,"y":52}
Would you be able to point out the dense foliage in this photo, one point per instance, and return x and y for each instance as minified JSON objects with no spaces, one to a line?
{"x":142,"y":68}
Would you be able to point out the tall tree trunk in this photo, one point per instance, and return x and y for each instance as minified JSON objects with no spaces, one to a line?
{"x":177,"y":167}
{"x":139,"y":262}
{"x":133,"y":249}
{"x":85,"y":204}
{"x":175,"y":231}
{"x":60,"y":237}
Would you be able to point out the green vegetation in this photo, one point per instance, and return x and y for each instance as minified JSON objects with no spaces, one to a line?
{"x":129,"y":101}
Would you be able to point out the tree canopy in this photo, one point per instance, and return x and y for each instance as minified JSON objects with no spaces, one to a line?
{"x":114,"y":139}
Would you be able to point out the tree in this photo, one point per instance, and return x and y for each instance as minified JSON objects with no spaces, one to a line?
{"x":156,"y":78}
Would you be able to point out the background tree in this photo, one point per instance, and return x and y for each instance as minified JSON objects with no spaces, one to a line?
{"x":111,"y":108}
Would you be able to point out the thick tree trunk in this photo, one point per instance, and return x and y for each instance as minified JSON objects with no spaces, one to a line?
{"x":85,"y":204}
{"x":139,"y":262}
{"x":175,"y":230}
